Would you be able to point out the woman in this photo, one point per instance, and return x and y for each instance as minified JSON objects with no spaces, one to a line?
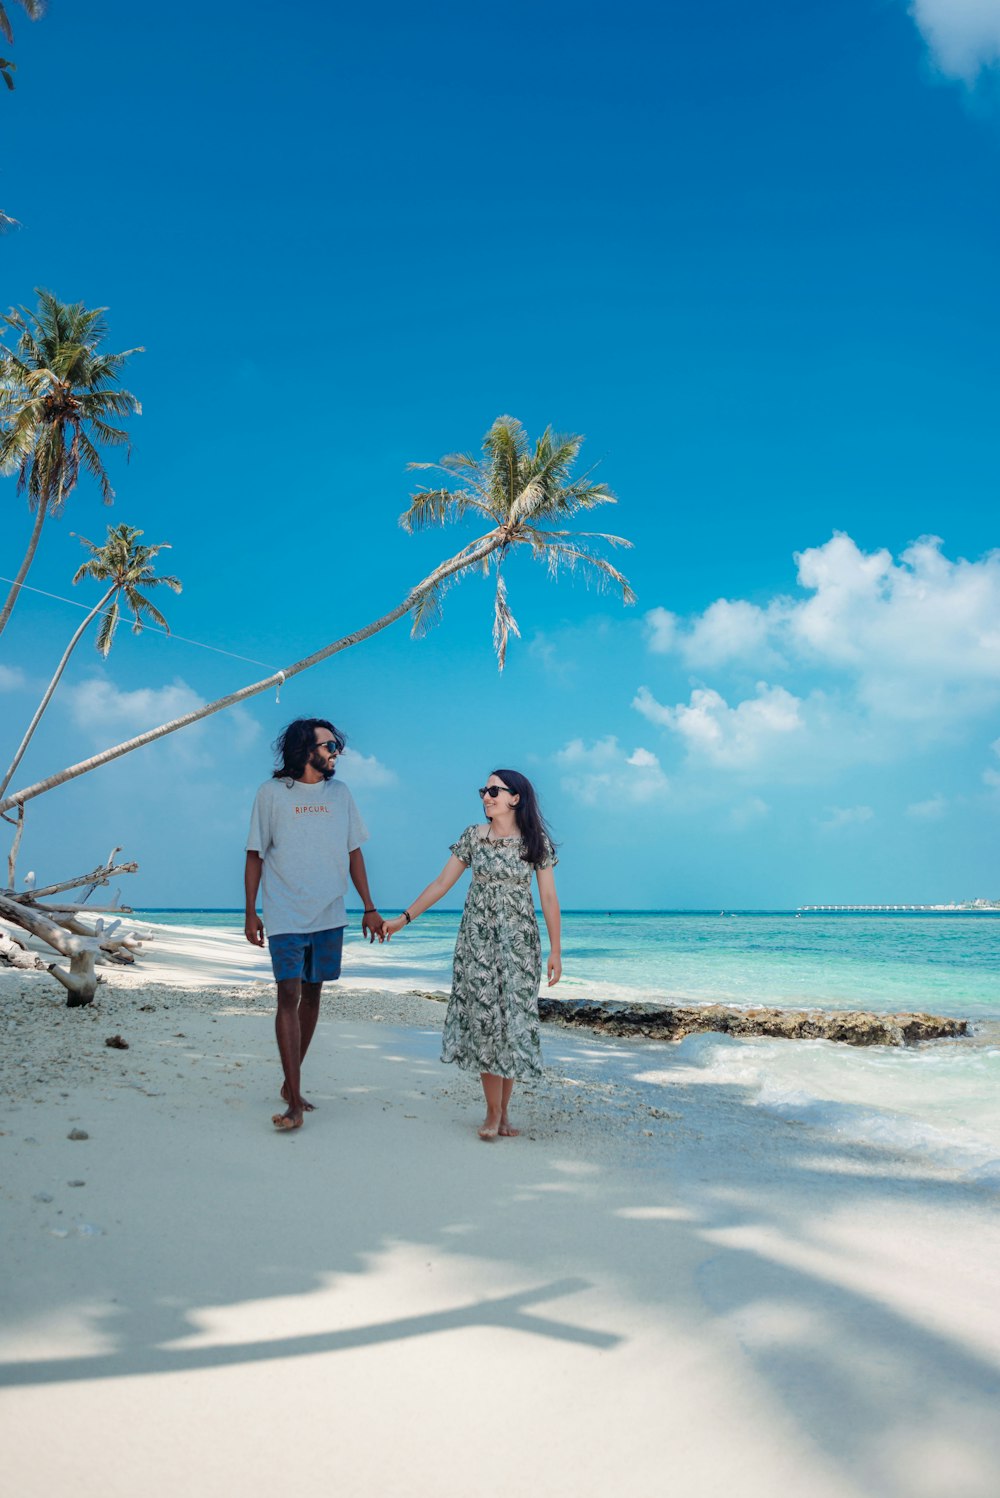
{"x":492,"y":1021}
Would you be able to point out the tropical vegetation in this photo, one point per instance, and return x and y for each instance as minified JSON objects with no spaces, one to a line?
{"x":524,"y":492}
{"x":127,"y":567}
{"x":60,"y":404}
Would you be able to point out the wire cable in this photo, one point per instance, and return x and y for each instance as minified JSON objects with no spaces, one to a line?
{"x":167,"y":633}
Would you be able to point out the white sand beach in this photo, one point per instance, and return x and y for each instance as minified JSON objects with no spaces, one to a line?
{"x":658,"y":1288}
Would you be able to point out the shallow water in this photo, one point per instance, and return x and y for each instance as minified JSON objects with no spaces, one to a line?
{"x":939,"y":1102}
{"x":947,"y":964}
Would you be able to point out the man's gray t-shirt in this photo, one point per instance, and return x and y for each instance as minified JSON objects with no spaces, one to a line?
{"x":304,"y":834}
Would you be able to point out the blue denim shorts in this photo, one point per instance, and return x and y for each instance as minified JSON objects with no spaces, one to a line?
{"x":312,"y":956}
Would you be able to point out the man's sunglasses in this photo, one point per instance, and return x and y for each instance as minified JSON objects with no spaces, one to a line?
{"x":330,"y":744}
{"x":494,"y":791}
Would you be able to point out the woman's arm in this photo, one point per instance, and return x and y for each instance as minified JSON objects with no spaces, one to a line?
{"x":449,"y":876}
{"x":550,"y":910}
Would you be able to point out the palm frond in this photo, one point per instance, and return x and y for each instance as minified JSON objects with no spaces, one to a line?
{"x":427,"y":612}
{"x":109,"y":624}
{"x":504,"y":623}
{"x":597,"y":569}
{"x":505,"y":448}
{"x":438,"y":506}
{"x":92,"y":460}
{"x":142,"y":609}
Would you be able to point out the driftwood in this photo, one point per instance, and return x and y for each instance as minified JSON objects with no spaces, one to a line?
{"x":14,"y":951}
{"x":80,"y":979}
{"x":63,"y":928}
{"x":95,"y":878}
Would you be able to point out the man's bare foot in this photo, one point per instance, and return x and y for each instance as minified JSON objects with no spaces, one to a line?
{"x":507,"y":1129}
{"x":306,"y":1104}
{"x":285,"y":1121}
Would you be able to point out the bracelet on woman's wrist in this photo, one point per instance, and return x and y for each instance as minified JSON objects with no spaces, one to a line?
{"x":408,"y":916}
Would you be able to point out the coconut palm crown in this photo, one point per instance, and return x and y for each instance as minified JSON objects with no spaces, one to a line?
{"x":526,"y":493}
{"x":128,"y":566}
{"x":59,"y":403}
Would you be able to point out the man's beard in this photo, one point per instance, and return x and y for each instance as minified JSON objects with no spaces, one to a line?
{"x":327,"y":771}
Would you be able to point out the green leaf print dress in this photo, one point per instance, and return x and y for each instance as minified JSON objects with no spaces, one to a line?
{"x":492,"y":1019}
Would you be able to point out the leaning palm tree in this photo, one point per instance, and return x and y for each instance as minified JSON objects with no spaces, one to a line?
{"x":59,"y":402}
{"x":127,"y":566}
{"x":524,"y":494}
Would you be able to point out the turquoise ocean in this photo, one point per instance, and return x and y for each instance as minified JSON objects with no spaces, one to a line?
{"x":941,"y":1100}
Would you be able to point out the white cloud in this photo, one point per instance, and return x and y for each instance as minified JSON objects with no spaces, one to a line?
{"x":749,"y":813}
{"x":605,"y":769}
{"x":365,"y":770}
{"x":963,"y":36}
{"x":107,"y":714}
{"x":11,"y":678}
{"x":931,"y":810}
{"x":838,"y":817}
{"x":661,"y":627}
{"x":915,"y":641}
{"x":992,"y":776}
{"x":728,"y":630}
{"x":99,"y":707}
{"x":729,"y":737}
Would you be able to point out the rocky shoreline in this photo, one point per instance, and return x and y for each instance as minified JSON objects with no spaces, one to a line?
{"x":665,"y":1022}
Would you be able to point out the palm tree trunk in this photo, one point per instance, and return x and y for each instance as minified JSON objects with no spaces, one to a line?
{"x":29,"y":557}
{"x":30,"y":730}
{"x":468,"y":557}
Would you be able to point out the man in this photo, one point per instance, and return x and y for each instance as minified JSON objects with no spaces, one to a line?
{"x":305,"y":838}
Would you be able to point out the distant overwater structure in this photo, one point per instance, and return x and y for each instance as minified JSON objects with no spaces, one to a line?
{"x":875,"y":909}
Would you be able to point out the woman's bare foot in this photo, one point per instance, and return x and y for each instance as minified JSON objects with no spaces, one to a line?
{"x":507,"y":1129}
{"x":490,"y":1127}
{"x":285,"y":1121}
{"x":306,"y":1104}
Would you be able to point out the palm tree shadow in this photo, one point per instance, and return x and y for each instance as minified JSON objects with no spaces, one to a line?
{"x":509,"y":1312}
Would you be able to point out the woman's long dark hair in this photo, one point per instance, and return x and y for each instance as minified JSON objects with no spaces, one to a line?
{"x":296,"y":743}
{"x":535,"y":835}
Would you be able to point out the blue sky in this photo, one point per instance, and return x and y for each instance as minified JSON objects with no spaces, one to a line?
{"x":750,"y":253}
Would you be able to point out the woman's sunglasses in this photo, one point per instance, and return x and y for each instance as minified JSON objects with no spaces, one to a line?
{"x":494,"y":791}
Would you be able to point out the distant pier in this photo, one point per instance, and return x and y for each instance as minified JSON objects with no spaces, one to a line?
{"x":965,"y":905}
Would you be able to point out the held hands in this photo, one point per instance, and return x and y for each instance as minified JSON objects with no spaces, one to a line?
{"x":555,"y":968}
{"x":373,"y":925}
{"x":253,"y":930}
{"x":391,"y":927}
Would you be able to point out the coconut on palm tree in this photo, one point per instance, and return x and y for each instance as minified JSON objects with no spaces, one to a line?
{"x":524,"y":493}
{"x":127,"y":567}
{"x":60,"y":403}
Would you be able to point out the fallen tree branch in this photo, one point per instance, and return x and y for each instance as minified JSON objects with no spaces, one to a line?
{"x":15,"y":845}
{"x":81,"y":980}
{"x":96,"y":877}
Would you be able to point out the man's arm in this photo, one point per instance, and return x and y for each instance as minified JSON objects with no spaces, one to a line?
{"x":253,"y":927}
{"x":371,"y":922}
